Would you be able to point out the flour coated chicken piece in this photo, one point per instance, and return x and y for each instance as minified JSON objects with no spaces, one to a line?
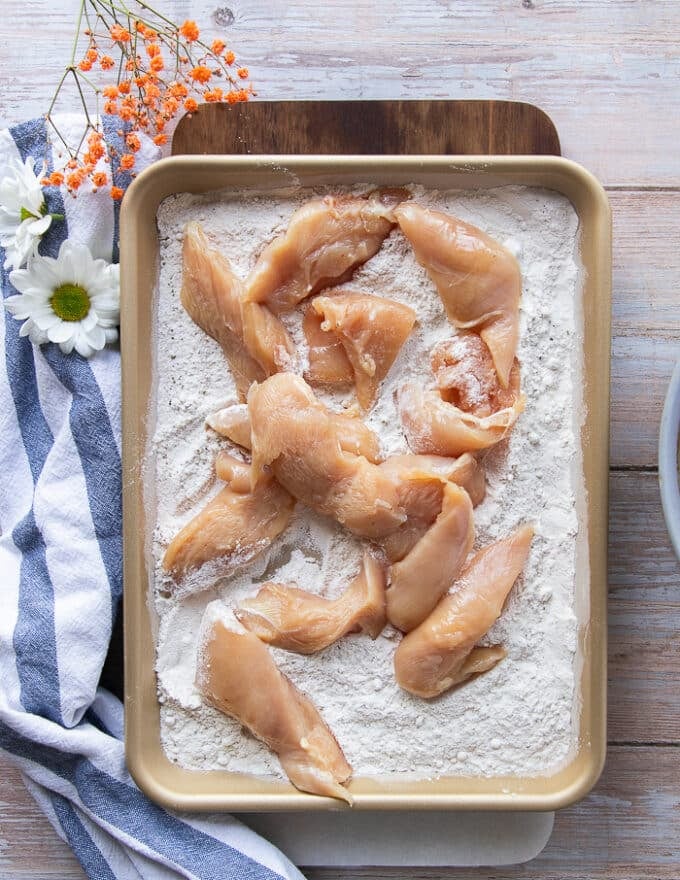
{"x":235,"y":526}
{"x":478,"y":280}
{"x":295,"y":436}
{"x":287,"y":617}
{"x":253,"y":339}
{"x":353,"y":435}
{"x":326,"y":239}
{"x":371,"y":331}
{"x":420,"y":579}
{"x":470,"y":410}
{"x":465,"y":376}
{"x":466,"y":471}
{"x":441,"y":652}
{"x":328,"y":362}
{"x":237,"y":675}
{"x":433,"y":426}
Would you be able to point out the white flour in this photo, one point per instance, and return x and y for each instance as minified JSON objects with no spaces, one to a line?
{"x":521,"y":717}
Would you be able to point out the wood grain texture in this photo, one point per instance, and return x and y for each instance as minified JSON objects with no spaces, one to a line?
{"x":29,"y":846}
{"x":644,"y":616}
{"x":620,"y":57}
{"x":627,"y":828}
{"x":645,"y":319}
{"x":367,"y":127}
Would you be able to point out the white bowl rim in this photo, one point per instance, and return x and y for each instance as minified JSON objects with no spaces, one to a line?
{"x":668,"y":460}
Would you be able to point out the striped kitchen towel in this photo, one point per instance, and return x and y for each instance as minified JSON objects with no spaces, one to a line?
{"x":60,"y":588}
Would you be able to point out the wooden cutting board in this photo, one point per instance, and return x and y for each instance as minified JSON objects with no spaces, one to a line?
{"x":361,"y":127}
{"x":368,"y":127}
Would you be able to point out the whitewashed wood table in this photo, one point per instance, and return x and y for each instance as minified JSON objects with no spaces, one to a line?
{"x":609,"y":75}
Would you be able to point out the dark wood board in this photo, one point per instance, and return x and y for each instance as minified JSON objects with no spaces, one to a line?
{"x":368,"y":127}
{"x":354,"y":127}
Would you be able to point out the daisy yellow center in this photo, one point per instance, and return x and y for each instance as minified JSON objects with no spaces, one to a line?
{"x":70,"y":302}
{"x":25,"y":214}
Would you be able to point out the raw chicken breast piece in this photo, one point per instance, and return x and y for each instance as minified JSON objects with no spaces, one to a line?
{"x":371,"y":330}
{"x":290,"y":618}
{"x":253,"y":339}
{"x":295,"y":434}
{"x":235,"y":527}
{"x":464,"y":470}
{"x":471,"y":410}
{"x":325,"y":241}
{"x":436,"y":427}
{"x":233,"y":422}
{"x":419,"y":580}
{"x":328,"y":363}
{"x":237,"y":675}
{"x":441,"y":652}
{"x":478,"y":280}
{"x":466,"y":377}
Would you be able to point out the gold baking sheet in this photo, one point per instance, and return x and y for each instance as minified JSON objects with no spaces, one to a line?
{"x":178,"y":788}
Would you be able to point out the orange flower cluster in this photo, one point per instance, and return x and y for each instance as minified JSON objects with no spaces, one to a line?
{"x":163,"y":70}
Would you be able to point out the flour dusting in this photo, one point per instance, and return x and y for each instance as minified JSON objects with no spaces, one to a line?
{"x":522,"y":716}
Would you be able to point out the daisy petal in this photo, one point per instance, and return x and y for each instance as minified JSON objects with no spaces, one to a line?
{"x":83,"y":347}
{"x":97,"y":338}
{"x":61,"y":331}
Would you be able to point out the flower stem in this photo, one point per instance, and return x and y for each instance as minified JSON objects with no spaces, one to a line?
{"x":58,"y":134}
{"x":56,"y":94}
{"x":157,"y":13}
{"x":77,"y":34}
{"x":82,"y":98}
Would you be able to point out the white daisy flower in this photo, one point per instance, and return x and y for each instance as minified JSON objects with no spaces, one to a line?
{"x":23,"y":217}
{"x":73,"y":300}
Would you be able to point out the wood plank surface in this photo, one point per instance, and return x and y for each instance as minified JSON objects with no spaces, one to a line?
{"x":644,"y":616}
{"x":620,"y":58}
{"x":607,"y":74}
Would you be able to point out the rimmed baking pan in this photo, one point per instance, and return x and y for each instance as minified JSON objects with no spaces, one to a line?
{"x":169,"y":784}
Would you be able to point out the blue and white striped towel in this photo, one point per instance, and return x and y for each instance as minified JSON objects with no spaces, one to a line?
{"x":60,"y":588}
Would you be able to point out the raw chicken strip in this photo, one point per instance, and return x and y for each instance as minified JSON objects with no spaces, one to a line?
{"x":419,"y":581}
{"x":465,"y":470}
{"x":434,"y":426}
{"x":236,"y":526}
{"x":296,"y":620}
{"x":325,"y":241}
{"x":237,"y":675}
{"x":371,"y":329}
{"x":253,"y":339}
{"x":466,"y":376}
{"x":328,"y":363}
{"x":296,"y":434}
{"x":233,"y":422}
{"x":441,"y":652}
{"x":477,"y":279}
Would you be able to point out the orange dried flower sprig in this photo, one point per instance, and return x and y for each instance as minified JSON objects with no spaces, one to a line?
{"x":162,"y":69}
